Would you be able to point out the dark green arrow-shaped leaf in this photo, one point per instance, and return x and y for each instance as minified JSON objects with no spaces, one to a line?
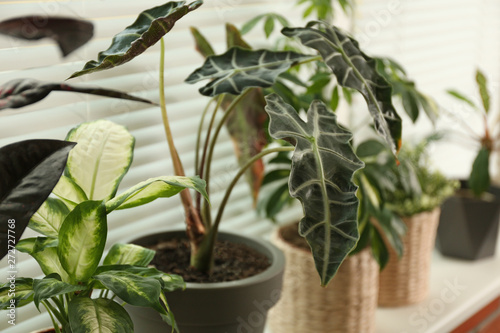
{"x":28,"y":172}
{"x":21,"y":92}
{"x":323,"y":164}
{"x":239,"y":68}
{"x":356,"y":70}
{"x":68,"y":33}
{"x":149,"y":28}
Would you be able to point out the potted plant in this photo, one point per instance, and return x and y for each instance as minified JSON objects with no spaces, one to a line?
{"x":73,"y":226}
{"x":318,"y":142}
{"x":468,"y":226}
{"x":413,"y":192}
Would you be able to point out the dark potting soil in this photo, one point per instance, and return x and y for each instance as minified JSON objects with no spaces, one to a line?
{"x":233,"y":261}
{"x":290,"y":234}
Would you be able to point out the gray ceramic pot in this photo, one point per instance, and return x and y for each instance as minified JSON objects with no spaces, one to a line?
{"x":225,"y":307}
{"x":468,"y":227}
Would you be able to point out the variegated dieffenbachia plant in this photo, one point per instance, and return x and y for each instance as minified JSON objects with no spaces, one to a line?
{"x":73,"y":230}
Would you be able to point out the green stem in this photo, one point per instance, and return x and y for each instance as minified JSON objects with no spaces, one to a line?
{"x":204,"y":257}
{"x":198,"y":137}
{"x":56,"y":313}
{"x":54,"y":322}
{"x":241,"y":172}
{"x":227,"y":113}
{"x":206,"y":216}
{"x":194,"y":226}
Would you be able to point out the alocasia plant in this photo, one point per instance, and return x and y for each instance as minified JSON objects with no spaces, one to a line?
{"x":73,"y":228}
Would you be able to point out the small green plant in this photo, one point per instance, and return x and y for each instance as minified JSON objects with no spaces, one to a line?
{"x":73,"y":228}
{"x":479,"y":179}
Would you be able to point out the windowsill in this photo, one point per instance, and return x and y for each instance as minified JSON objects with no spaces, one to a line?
{"x":458,"y":289}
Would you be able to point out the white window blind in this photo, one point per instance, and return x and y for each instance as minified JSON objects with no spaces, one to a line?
{"x":58,"y":113}
{"x":440,"y":43}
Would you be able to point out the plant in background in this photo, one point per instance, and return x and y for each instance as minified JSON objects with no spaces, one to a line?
{"x":479,"y":179}
{"x":73,"y":228}
{"x":390,"y":189}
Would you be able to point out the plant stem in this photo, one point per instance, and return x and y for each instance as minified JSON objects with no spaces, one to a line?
{"x":195,"y":228}
{"x":206,"y":215}
{"x":198,"y":137}
{"x":54,"y":322}
{"x":241,"y":172}
{"x":206,"y":247}
{"x":57,"y":314}
{"x":228,"y":112}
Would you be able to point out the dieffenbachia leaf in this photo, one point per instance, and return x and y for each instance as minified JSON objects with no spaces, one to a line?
{"x":21,"y":92}
{"x":49,"y":262}
{"x":50,"y":286}
{"x":68,"y":33}
{"x":356,"y":70}
{"x":98,"y":315}
{"x":149,"y":28}
{"x":132,"y":288}
{"x":153,"y":188}
{"x":239,"y":68}
{"x":23,"y":292}
{"x":48,"y":219}
{"x":129,"y":254}
{"x":28,"y":172}
{"x":479,"y":179}
{"x":101,"y":158}
{"x":81,"y":240}
{"x":169,"y":282}
{"x":323,"y":164}
{"x":36,"y":244}
{"x":69,"y":192}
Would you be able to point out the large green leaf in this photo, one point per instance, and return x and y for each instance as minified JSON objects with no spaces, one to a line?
{"x":51,"y":286}
{"x":68,"y":33}
{"x":479,"y":180}
{"x":101,"y":158}
{"x":48,"y":219}
{"x":151,"y":189}
{"x":81,"y":240}
{"x":323,"y":164}
{"x":129,"y":254}
{"x":151,"y":25}
{"x":356,"y":70}
{"x":132,"y":288}
{"x":21,"y":293}
{"x":239,"y":68}
{"x":21,"y":92}
{"x":28,"y":172}
{"x":99,"y":315}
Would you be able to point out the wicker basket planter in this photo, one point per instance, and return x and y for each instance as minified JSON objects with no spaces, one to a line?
{"x":347,"y":305}
{"x":406,"y":281}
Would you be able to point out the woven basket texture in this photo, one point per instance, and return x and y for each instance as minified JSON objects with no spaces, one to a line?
{"x":406,"y":281}
{"x":347,"y":305}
